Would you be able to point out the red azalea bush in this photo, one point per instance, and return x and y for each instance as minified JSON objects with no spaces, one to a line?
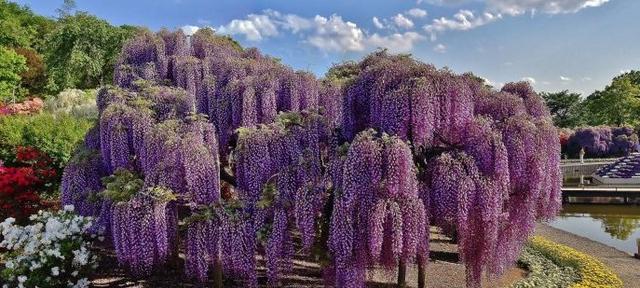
{"x":19,"y":186}
{"x":31,"y":106}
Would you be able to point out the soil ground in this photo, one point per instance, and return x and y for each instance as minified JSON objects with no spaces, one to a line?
{"x":443,"y":271}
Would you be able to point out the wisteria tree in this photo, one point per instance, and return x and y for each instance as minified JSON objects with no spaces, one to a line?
{"x":223,"y":153}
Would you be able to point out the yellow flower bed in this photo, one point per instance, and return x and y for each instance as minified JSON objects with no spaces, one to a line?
{"x":593,"y":273}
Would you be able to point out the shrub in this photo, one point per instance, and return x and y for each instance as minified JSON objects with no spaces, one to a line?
{"x":543,"y":273}
{"x":592,"y":272}
{"x":19,"y":186}
{"x":29,"y":106}
{"x":55,"y":135}
{"x":53,"y":251}
{"x":11,"y":66}
{"x":75,"y":102}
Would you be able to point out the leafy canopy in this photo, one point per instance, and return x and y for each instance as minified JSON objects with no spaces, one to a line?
{"x":618,"y":104}
{"x":82,"y":51}
{"x":11,"y":66}
{"x":565,"y":108}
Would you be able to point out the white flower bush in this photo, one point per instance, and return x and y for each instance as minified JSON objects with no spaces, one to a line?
{"x":53,"y":251}
{"x":75,"y":102}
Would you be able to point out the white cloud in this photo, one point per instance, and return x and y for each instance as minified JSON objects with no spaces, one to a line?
{"x":517,"y":7}
{"x":463,"y":20}
{"x":417,"y":13}
{"x":402,"y":22}
{"x":565,"y":78}
{"x":189,"y":29}
{"x":378,"y":23}
{"x":529,"y":79}
{"x":440,"y":48}
{"x":334,"y":34}
{"x":496,"y":9}
{"x":443,"y":2}
{"x":625,"y":71}
{"x":291,"y":22}
{"x":396,"y":43}
{"x":586,"y":79}
{"x":254,"y":28}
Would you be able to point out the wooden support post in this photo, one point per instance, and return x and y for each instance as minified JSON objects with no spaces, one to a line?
{"x":217,"y":273}
{"x":421,"y":272}
{"x":402,"y":274}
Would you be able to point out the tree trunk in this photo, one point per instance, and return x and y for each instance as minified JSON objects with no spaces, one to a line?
{"x":217,"y":273}
{"x":402,"y":274}
{"x":421,"y":272}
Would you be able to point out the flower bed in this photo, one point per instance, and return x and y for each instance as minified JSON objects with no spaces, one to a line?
{"x":543,"y":272}
{"x":30,"y":106}
{"x":591,"y":271}
{"x":20,"y":185}
{"x":55,"y":135}
{"x":53,"y":251}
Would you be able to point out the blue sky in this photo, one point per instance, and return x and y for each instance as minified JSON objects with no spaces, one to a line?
{"x":558,"y":44}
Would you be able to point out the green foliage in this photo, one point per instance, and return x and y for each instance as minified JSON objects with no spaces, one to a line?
{"x":618,"y":104}
{"x":122,"y":186}
{"x":565,"y":107}
{"x":11,"y":66}
{"x":20,"y":27}
{"x":212,"y":37}
{"x":543,"y":273}
{"x":269,"y":194}
{"x":289,"y":119}
{"x":162,"y":194}
{"x":341,"y":73}
{"x":82,"y":50}
{"x":55,"y":135}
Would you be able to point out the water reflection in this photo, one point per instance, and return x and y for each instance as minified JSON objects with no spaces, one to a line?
{"x":614,"y":225}
{"x":620,"y":228}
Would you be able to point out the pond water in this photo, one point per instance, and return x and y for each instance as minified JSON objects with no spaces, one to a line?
{"x":617,"y":226}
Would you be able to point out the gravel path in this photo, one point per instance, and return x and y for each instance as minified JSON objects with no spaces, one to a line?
{"x":627,"y":267}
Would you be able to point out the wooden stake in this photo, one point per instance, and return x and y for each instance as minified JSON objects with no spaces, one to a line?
{"x":402,"y":274}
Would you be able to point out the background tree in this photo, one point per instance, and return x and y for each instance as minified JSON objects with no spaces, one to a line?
{"x":20,"y":27}
{"x":618,"y":104}
{"x":633,"y":76}
{"x":67,"y":7}
{"x":565,"y":108}
{"x":11,"y":65}
{"x":34,"y":78}
{"x":82,"y":50}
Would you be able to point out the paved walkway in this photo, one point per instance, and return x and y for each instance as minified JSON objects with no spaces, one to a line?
{"x":627,"y":267}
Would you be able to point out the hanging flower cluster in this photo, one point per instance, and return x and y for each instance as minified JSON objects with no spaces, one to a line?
{"x":377,"y":217}
{"x":488,"y":161}
{"x":278,"y":168}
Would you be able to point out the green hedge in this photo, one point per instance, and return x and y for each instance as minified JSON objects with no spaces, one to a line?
{"x":55,"y":134}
